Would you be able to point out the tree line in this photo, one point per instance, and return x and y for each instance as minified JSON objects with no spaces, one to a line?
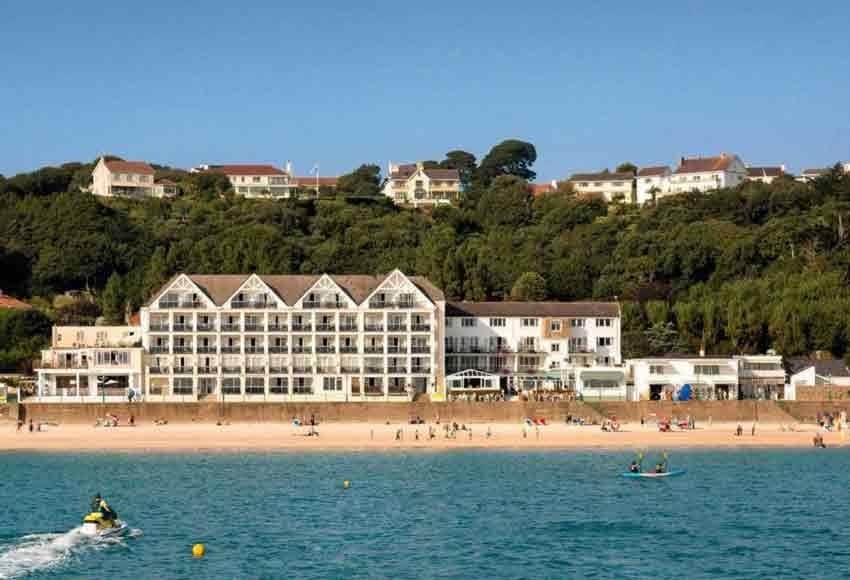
{"x":744,"y":269}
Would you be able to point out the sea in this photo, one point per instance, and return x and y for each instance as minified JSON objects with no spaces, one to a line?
{"x":470,"y":514}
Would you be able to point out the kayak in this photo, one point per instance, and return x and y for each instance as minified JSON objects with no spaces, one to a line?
{"x":650,"y":475}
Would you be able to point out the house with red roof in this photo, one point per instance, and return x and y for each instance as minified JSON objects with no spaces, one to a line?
{"x":652,"y":183}
{"x":119,"y":178}
{"x":708,"y":173}
{"x":256,"y":180}
{"x":10,"y":303}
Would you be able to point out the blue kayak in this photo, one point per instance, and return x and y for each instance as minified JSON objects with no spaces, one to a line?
{"x":651,"y":475}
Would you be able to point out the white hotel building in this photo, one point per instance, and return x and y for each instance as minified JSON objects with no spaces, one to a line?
{"x":291,"y":338}
{"x":522,"y":346}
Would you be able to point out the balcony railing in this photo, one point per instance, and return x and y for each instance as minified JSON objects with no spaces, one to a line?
{"x":208,"y":349}
{"x":229,"y":327}
{"x":326,"y":370}
{"x":373,"y":349}
{"x":206,"y":327}
{"x":278,"y":370}
{"x":255,"y":349}
{"x":420,"y":327}
{"x":296,"y":327}
{"x":256,"y":304}
{"x":325,"y":349}
{"x":343,"y":327}
{"x":171,"y":304}
{"x":231,"y":349}
{"x":231,"y":370}
{"x":349,"y":370}
{"x":207,"y":370}
{"x":393,"y":349}
{"x":279,"y":349}
{"x":253,"y":370}
{"x":311,"y":304}
{"x":182,"y":327}
{"x":300,"y":349}
{"x":420,"y":349}
{"x":182,"y":370}
{"x":378,"y":304}
{"x":302,"y":369}
{"x":528,"y":348}
{"x":420,"y":370}
{"x":182,"y":349}
{"x":397,"y":370}
{"x":325,"y":327}
{"x":273,"y":327}
{"x":374,"y":328}
{"x":405,"y":304}
{"x":158,"y":349}
{"x":160,"y":327}
{"x":253,"y":327}
{"x":373,"y":370}
{"x":158,"y":370}
{"x":374,"y":392}
{"x":396,"y":327}
{"x":348,"y":349}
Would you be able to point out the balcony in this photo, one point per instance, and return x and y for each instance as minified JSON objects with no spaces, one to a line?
{"x":182,"y":348}
{"x":230,"y":327}
{"x":374,"y":370}
{"x":325,"y":327}
{"x":377,"y":304}
{"x":235,"y":349}
{"x":374,"y":392}
{"x":301,"y":349}
{"x":311,"y":304}
{"x":158,"y":370}
{"x":275,"y":327}
{"x":374,"y":328}
{"x":302,"y":369}
{"x":182,"y":327}
{"x":343,"y":327}
{"x":172,"y":304}
{"x":420,"y":327}
{"x":529,"y":369}
{"x":396,"y":327}
{"x":397,"y":370}
{"x":183,"y":370}
{"x":528,"y":349}
{"x":206,"y":327}
{"x":324,"y":370}
{"x":256,"y":349}
{"x":421,"y":370}
{"x":348,"y":349}
{"x":207,"y":370}
{"x":254,"y":370}
{"x":325,"y":349}
{"x":420,"y":349}
{"x":227,"y":370}
{"x":158,"y":349}
{"x":253,"y":327}
{"x":279,"y":349}
{"x":278,"y":370}
{"x":301,"y":327}
{"x":252,"y":304}
{"x":397,"y":349}
{"x":207,"y":349}
{"x":349,"y":370}
{"x":402,"y":303}
{"x":160,"y":327}
{"x":373,"y":349}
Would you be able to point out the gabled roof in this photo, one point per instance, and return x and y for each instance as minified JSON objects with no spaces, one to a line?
{"x":291,"y":287}
{"x":238,"y":169}
{"x":815,"y":171}
{"x":13,"y":303}
{"x":764,"y":171}
{"x":534,"y":309}
{"x":601,"y":176}
{"x":705,"y":164}
{"x":654,"y":170}
{"x":129,"y":167}
{"x":403,"y":172}
{"x":538,"y":189}
{"x":824,"y":368}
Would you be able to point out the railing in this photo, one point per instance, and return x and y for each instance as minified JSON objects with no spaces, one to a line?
{"x":207,"y":370}
{"x":182,"y":370}
{"x":325,"y":327}
{"x":242,"y":304}
{"x":169,"y":304}
{"x":302,"y":390}
{"x":420,"y":349}
{"x":206,"y":349}
{"x":228,"y":327}
{"x":160,"y":327}
{"x":63,"y":364}
{"x":326,"y":370}
{"x":347,"y":327}
{"x":397,"y":349}
{"x":301,"y":327}
{"x":348,"y":349}
{"x":279,"y":349}
{"x":158,"y":370}
{"x":278,"y":327}
{"x":206,"y":327}
{"x":397,"y":370}
{"x":255,"y":349}
{"x":405,"y":304}
{"x":420,"y":370}
{"x":349,"y":370}
{"x":158,"y":349}
{"x":302,"y":369}
{"x":182,"y":327}
{"x":528,"y":348}
{"x":253,"y":327}
{"x":278,"y":370}
{"x":529,"y":369}
{"x":231,"y":370}
{"x":373,"y":392}
{"x":378,"y":304}
{"x":374,"y":370}
{"x":420,"y":327}
{"x":231,"y":349}
{"x":373,"y":349}
{"x":397,"y":328}
{"x":311,"y":304}
{"x":182,"y":349}
{"x":374,"y":328}
{"x":297,"y":349}
{"x":255,"y":370}
{"x":322,"y":349}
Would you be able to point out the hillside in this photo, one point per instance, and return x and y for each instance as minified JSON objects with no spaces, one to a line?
{"x":738,"y":270}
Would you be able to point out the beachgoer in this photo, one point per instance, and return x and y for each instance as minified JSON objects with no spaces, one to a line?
{"x":95,"y":503}
{"x":20,"y":424}
{"x":132,"y":421}
{"x":106,"y":511}
{"x":634,"y":467}
{"x":31,"y":427}
{"x":754,"y":430}
{"x":739,"y":431}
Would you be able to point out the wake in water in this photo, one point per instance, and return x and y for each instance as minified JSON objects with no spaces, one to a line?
{"x":38,"y":552}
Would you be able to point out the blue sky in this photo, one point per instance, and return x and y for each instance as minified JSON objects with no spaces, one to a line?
{"x":589,"y":83}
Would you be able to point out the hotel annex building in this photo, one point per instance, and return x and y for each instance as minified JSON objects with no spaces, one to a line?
{"x":336,"y":338}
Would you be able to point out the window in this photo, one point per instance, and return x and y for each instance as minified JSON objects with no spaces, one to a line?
{"x":604,"y":341}
{"x":467,"y":322}
{"x":528,"y":322}
{"x":556,"y":347}
{"x":656,"y":369}
{"x":497,"y":322}
{"x":331,"y":383}
{"x":706,"y":369}
{"x":555,"y":364}
{"x":577,"y":322}
{"x":603,"y":360}
{"x":555,"y":325}
{"x":603,"y":323}
{"x":450,"y":322}
{"x":255,"y":179}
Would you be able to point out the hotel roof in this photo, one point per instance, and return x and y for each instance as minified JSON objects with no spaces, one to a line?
{"x":705,"y":164}
{"x":534,"y":309}
{"x":234,"y":169}
{"x":603,"y":176}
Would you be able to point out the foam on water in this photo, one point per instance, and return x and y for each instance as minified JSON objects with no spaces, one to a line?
{"x":39,"y":552}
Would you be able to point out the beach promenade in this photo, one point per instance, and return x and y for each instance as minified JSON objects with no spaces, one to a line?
{"x":261,"y":437}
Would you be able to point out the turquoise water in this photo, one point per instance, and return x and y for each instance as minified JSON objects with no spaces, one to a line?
{"x":469,"y":514}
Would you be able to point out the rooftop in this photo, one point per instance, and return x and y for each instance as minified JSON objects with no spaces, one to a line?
{"x":653,"y":170}
{"x":824,"y":368}
{"x":7,"y":301}
{"x":602,"y":176}
{"x":246,"y":169}
{"x":117,"y":165}
{"x":534,"y":309}
{"x":406,"y":170}
{"x":705,"y":164}
{"x":764,"y":171}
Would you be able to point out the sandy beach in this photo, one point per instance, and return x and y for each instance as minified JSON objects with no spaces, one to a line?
{"x":209,"y":437}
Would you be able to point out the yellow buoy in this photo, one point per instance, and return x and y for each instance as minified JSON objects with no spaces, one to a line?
{"x":198,"y":550}
{"x":346,"y":484}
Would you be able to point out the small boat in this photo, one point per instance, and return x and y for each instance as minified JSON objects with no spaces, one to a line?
{"x":95,"y":524}
{"x":653,"y":475}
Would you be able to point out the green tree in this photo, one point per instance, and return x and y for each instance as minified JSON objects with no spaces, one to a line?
{"x":464,"y":162}
{"x":363,"y":181}
{"x":507,"y":202}
{"x":530,"y":286}
{"x":113,"y":299}
{"x":627,"y":167}
{"x":510,"y":157}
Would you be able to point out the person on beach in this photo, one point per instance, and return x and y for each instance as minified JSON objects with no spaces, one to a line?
{"x":739,"y":431}
{"x":31,"y":427}
{"x":20,"y":424}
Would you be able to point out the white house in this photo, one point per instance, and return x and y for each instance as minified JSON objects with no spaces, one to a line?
{"x":521,"y":346}
{"x":652,"y":183}
{"x":707,"y":173}
{"x":812,"y":372}
{"x":416,"y":185}
{"x":118,"y":178}
{"x":256,"y":180}
{"x":610,"y":186}
{"x":765,"y":174}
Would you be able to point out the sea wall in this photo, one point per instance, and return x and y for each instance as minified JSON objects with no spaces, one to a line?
{"x":460,"y":411}
{"x":822,"y":393}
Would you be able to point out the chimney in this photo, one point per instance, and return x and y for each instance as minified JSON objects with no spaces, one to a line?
{"x":682,"y":160}
{"x":782,"y":168}
{"x":419,"y":165}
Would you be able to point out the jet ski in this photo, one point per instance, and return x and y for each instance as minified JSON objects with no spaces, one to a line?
{"x":98,"y":524}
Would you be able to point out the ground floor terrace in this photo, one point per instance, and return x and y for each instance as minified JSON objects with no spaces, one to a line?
{"x":703,"y":390}
{"x":592,"y":383}
{"x":87,"y":385}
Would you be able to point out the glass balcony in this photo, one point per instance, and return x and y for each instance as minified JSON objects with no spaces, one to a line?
{"x":279,"y":349}
{"x":325,"y":349}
